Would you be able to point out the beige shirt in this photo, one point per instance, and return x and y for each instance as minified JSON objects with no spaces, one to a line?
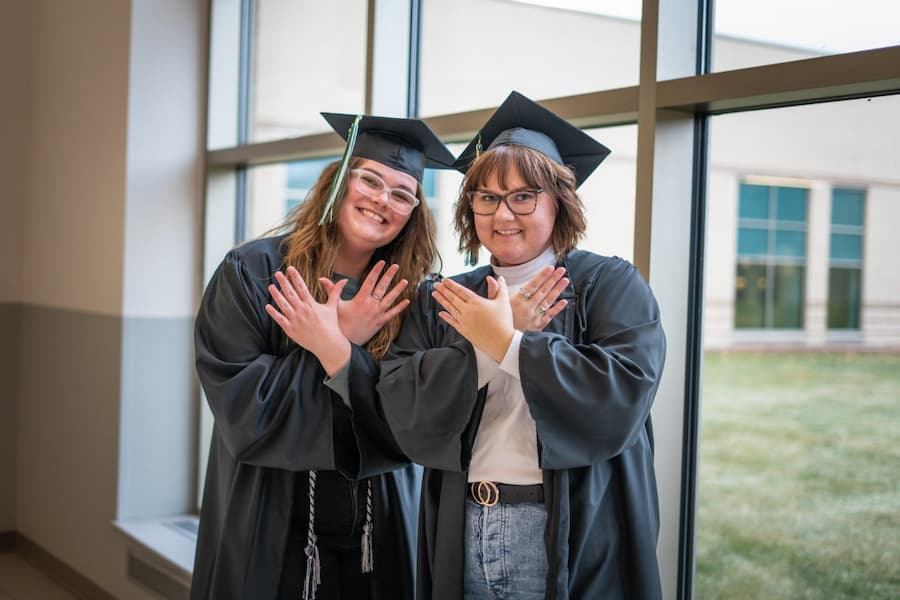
{"x":505,"y":448}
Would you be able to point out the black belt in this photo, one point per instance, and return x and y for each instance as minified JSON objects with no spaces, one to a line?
{"x":488,"y":493}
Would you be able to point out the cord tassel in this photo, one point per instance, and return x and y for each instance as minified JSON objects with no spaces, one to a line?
{"x":340,"y":175}
{"x":313,"y":565}
{"x":368,"y":557}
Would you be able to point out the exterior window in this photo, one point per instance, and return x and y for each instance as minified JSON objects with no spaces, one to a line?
{"x":771,"y":264}
{"x":845,"y":258}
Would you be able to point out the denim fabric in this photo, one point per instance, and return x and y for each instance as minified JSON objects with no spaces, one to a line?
{"x":505,"y":554}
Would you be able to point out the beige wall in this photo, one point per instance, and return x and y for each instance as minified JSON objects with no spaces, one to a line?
{"x":16,"y":22}
{"x":73,"y":237}
{"x":16,"y":66}
{"x":109,"y":262}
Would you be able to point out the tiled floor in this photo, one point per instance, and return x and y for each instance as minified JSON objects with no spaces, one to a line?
{"x":21,"y":581}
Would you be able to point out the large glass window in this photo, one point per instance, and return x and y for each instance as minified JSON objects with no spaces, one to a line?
{"x":771,"y":255}
{"x":845,"y":270}
{"x":796,"y":492}
{"x":475,"y":51}
{"x":748,"y":34}
{"x":306,"y":57}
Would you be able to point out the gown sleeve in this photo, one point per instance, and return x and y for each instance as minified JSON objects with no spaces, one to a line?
{"x":267,"y":395}
{"x":428,"y":388}
{"x":590,"y":397}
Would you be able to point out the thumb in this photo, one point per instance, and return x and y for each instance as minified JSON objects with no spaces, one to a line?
{"x":334,"y":294}
{"x":502,"y":290}
{"x":327,"y":284}
{"x":492,"y":288}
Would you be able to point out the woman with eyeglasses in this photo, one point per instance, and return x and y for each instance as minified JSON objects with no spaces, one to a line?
{"x":524,"y":387}
{"x":307,"y":494}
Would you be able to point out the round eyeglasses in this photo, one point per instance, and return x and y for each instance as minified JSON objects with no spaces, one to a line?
{"x":371,"y":185}
{"x":520,"y":202}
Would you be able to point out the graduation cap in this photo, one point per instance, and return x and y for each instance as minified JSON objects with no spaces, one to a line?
{"x":523,"y":122}
{"x":407,"y":145}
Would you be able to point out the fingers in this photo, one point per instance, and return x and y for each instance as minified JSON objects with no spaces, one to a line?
{"x":391,"y":297}
{"x":381,"y":288}
{"x":459,"y":292}
{"x":396,"y":310}
{"x":334,"y":294}
{"x":492,"y":287}
{"x":446,"y":302}
{"x":548,"y":312}
{"x":298,"y":287}
{"x":502,"y":290}
{"x":326,"y":284}
{"x":371,"y":279}
{"x":277,"y":316}
{"x":283,"y":304}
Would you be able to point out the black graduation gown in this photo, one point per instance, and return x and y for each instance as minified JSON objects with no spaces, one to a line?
{"x":274,"y":421}
{"x":589,"y":379}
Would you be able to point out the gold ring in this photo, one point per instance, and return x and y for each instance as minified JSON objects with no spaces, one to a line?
{"x":541,"y":309}
{"x":379,"y":298}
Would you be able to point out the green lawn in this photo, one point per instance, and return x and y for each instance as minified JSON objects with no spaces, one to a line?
{"x":799,"y":489}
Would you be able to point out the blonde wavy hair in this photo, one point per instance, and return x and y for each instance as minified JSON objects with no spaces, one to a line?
{"x":312,"y":248}
{"x":539,"y":172}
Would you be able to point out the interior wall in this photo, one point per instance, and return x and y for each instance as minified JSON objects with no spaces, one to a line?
{"x":109,"y":218}
{"x":16,"y":25}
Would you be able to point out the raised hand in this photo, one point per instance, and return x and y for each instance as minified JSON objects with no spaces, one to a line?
{"x":535,"y":305}
{"x":486,"y":322}
{"x":310,"y":324}
{"x":373,"y":306}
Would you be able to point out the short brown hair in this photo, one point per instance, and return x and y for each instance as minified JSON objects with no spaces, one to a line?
{"x":538,"y":171}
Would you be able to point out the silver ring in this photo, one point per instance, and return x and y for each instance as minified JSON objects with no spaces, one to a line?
{"x":526,"y":293}
{"x":541,"y":309}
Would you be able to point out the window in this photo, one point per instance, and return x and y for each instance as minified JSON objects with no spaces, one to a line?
{"x":846,"y":257}
{"x":771,"y":250}
{"x":443,"y":60}
{"x":794,"y":499}
{"x":770,"y":31}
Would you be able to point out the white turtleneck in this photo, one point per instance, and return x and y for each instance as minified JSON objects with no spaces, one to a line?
{"x":505,"y":448}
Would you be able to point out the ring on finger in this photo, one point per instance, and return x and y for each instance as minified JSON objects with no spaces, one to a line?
{"x":541,"y":309}
{"x":377,"y":297}
{"x":526,"y":293}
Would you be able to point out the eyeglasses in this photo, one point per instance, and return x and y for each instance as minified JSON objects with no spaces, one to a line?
{"x":520,"y":202}
{"x":371,"y":185}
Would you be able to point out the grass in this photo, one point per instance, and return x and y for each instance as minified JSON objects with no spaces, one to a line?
{"x":799,"y":481}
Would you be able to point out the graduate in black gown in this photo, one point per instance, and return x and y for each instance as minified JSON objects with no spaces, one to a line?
{"x":524,"y":387}
{"x":307,"y":493}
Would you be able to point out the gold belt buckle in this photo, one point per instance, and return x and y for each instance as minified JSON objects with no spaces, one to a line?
{"x":485,"y":493}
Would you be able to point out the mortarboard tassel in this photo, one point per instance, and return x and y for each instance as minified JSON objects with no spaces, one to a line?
{"x":478,"y":146}
{"x":313,"y":567}
{"x":328,"y":211}
{"x":367,"y":556}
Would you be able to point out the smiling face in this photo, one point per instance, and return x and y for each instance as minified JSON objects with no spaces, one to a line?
{"x":510,"y":238}
{"x":368,"y":223}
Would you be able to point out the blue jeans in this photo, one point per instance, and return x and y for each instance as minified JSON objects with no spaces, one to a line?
{"x":505,"y":554}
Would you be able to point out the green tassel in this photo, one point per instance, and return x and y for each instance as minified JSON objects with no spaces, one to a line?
{"x":328,"y":211}
{"x":478,"y":146}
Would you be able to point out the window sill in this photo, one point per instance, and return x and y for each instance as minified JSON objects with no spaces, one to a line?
{"x":161,"y":552}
